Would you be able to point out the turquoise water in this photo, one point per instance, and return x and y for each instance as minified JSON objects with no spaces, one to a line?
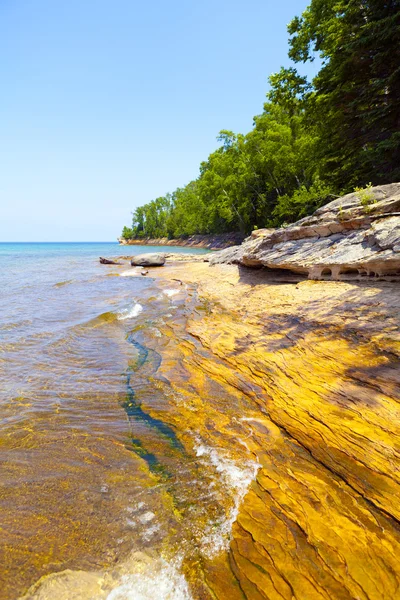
{"x":48,"y":286}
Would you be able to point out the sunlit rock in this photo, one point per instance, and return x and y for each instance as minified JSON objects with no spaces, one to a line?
{"x":148,"y":260}
{"x":348,"y":238}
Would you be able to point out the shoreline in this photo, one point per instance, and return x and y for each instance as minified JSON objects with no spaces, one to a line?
{"x":210,"y":242}
{"x":320,"y":363}
{"x":300,"y":379}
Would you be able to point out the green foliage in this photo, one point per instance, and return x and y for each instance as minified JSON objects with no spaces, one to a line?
{"x":355,"y":100}
{"x":312,"y":140}
{"x":127,"y":233}
{"x":301,"y":203}
{"x":365,"y":196}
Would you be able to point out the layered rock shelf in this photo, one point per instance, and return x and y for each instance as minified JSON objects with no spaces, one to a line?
{"x":354,"y":237}
{"x":312,"y":372}
{"x":282,"y":399}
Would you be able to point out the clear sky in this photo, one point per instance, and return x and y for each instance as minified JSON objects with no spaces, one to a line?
{"x":105,"y":104}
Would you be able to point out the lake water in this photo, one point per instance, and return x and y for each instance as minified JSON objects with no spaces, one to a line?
{"x":97,"y":464}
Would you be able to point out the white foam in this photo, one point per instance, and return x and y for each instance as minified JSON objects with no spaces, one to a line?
{"x":139,"y":578}
{"x":236,"y":480}
{"x":130,"y":313}
{"x":171,"y":292}
{"x":161,"y":581}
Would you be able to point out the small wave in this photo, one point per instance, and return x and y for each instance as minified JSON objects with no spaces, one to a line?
{"x":236,"y":480}
{"x":62,"y":283}
{"x":130,"y":313}
{"x":15,"y":325}
{"x":163,"y":581}
{"x":139,"y":516}
{"x":171,"y":292}
{"x":107,"y":317}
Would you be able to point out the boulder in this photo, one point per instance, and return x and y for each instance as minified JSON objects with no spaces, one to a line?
{"x":345,"y":239}
{"x":154,"y":259}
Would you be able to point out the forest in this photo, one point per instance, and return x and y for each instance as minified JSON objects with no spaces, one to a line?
{"x":314,"y":139}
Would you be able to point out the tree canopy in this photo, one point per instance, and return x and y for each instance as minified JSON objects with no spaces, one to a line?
{"x":313,"y":140}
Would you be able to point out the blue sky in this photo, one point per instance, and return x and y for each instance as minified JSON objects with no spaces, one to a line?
{"x":106,"y":105}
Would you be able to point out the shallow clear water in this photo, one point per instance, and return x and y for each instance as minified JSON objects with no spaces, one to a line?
{"x":96,"y":463}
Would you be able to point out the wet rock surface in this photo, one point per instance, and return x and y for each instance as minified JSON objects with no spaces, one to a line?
{"x":318,"y":364}
{"x":283,"y":397}
{"x":353,"y":237}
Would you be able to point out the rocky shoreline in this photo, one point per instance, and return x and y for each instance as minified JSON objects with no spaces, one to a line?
{"x":354,"y":237}
{"x":306,"y":345}
{"x":302,"y":379}
{"x":319,"y":363}
{"x":212,"y":242}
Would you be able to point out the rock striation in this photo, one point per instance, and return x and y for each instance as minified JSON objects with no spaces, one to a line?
{"x":356,"y":236}
{"x":273,"y":416}
{"x":306,"y":379}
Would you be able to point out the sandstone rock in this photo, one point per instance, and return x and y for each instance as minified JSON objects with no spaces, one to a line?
{"x":260,"y":233}
{"x":342,"y":240}
{"x":307,"y":379}
{"x":148,"y":260}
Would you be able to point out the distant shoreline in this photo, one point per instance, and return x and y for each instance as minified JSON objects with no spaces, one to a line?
{"x":55,"y":242}
{"x":211,"y":242}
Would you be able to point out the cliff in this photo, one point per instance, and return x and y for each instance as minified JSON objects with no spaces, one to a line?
{"x":354,"y":237}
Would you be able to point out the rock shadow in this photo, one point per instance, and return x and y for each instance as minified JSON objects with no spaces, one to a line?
{"x":255,"y":276}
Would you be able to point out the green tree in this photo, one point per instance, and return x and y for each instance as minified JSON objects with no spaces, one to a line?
{"x":357,"y":89}
{"x":312,"y":140}
{"x":127,"y":233}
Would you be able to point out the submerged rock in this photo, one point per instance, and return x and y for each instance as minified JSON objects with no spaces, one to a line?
{"x":107,"y":261}
{"x":346,"y":239}
{"x":148,"y":260}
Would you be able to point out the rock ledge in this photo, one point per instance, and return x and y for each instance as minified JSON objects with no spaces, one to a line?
{"x":345,"y":239}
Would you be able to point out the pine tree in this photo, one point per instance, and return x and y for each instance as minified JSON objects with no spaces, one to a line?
{"x":357,"y":90}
